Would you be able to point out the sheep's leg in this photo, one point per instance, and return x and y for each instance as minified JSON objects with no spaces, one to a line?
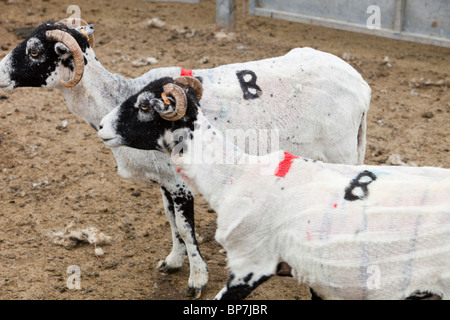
{"x":184,"y":218}
{"x":180,"y":214}
{"x":240,"y":286}
{"x":314,"y":295}
{"x":174,"y":260}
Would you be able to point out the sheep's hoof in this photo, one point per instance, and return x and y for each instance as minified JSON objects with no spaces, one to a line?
{"x":165,"y":268}
{"x":196,"y":293}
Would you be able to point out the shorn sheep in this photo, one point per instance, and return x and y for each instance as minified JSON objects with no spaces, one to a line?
{"x":349,"y":232}
{"x":318,"y":102}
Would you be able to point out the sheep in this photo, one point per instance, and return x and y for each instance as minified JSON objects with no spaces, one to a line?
{"x":326,"y":101}
{"x":348,"y":232}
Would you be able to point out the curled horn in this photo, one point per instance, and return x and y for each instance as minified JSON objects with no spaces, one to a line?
{"x":192,"y":82}
{"x":78,"y":22}
{"x":179,"y":95}
{"x":75,"y":50}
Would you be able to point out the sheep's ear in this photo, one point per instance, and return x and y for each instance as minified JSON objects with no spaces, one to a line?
{"x":161,"y":107}
{"x":147,"y":101}
{"x":61,"y":49}
{"x":88,"y":32}
{"x":89,"y":29}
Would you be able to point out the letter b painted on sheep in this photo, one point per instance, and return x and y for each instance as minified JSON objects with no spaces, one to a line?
{"x":247,"y":81}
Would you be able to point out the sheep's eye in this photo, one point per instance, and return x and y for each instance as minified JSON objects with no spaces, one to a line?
{"x":34,"y":53}
{"x":144,"y":106}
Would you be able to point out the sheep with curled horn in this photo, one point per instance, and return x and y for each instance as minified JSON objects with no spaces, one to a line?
{"x":303,"y":85}
{"x":346,"y":231}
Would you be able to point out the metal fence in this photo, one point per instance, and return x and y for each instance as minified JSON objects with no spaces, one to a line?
{"x":185,"y":1}
{"x":424,"y":21}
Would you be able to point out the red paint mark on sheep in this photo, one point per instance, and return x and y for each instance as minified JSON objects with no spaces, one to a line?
{"x":185,"y":72}
{"x":285,"y":165}
{"x":335,"y":205}
{"x":308,"y":236}
{"x":183,"y":175}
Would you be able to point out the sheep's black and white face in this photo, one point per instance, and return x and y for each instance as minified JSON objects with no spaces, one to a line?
{"x":137,"y":123}
{"x":38,"y":62}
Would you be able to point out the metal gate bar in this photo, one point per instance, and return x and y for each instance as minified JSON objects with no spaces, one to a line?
{"x":423,"y":21}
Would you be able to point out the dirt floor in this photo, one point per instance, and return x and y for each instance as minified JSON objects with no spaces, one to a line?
{"x":55,"y":171}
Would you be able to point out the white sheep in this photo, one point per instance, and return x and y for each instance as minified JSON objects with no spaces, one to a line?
{"x":349,"y":232}
{"x":318,"y":102}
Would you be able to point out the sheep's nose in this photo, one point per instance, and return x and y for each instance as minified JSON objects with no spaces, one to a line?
{"x":100,"y":126}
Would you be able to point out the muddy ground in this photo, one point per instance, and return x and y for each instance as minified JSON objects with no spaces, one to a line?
{"x":55,"y":171}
